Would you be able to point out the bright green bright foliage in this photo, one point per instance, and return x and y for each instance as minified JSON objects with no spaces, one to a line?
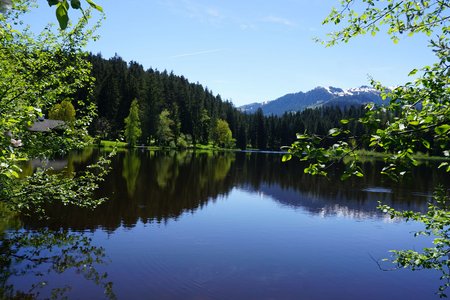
{"x":133,"y":124}
{"x":222,"y":134}
{"x":63,"y":7}
{"x":63,"y":111}
{"x":416,"y":116}
{"x":165,"y":133}
{"x":36,"y":73}
{"x":397,"y":17}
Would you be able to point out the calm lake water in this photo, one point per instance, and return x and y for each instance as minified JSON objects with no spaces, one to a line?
{"x":243,"y":226}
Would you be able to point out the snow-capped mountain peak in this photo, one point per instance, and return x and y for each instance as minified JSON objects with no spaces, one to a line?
{"x":319,"y":96}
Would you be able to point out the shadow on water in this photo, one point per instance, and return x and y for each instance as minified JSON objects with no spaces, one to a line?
{"x":147,"y":187}
{"x":150,"y":186}
{"x":35,"y":261}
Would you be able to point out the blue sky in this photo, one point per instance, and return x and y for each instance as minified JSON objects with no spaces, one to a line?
{"x":248,"y":51}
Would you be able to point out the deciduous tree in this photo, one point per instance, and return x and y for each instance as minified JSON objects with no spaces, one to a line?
{"x":222,"y":134}
{"x":133,"y":124}
{"x":416,"y":117}
{"x":165,"y":134}
{"x":36,"y":73}
{"x":63,"y":111}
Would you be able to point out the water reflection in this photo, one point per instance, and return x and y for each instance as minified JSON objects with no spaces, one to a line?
{"x":157,"y":186}
{"x":130,"y":172}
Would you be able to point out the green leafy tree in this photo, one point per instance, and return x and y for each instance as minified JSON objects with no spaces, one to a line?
{"x":133,"y":124}
{"x":416,"y":117}
{"x":63,"y":111}
{"x":165,"y":133}
{"x":36,"y":72}
{"x":222,"y":134}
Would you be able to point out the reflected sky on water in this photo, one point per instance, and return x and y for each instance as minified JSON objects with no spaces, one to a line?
{"x":183,"y":225}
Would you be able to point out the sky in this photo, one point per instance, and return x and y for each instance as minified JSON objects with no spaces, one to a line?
{"x":247,"y":50}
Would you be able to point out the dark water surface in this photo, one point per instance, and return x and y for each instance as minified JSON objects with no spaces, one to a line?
{"x":245,"y":226}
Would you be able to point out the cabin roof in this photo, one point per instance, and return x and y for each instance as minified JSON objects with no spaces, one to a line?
{"x":46,"y":125}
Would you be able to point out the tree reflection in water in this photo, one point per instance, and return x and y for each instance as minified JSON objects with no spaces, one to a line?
{"x":130,"y":171}
{"x":37,"y":255}
{"x":156,"y":186}
{"x":146,"y":187}
{"x":33,"y":256}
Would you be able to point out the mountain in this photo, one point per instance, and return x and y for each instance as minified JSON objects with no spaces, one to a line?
{"x":320,"y":96}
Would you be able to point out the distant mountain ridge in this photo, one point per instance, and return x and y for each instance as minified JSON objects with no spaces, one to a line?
{"x":319,"y":96}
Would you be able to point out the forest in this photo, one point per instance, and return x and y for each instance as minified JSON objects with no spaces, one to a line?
{"x":175,"y":112}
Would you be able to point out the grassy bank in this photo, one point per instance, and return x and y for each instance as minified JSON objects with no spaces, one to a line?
{"x":112,"y":144}
{"x":200,"y":147}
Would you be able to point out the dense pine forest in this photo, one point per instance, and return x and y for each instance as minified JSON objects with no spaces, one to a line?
{"x":176,"y":112}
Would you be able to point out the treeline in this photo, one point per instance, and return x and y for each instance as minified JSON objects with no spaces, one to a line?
{"x":191,"y":110}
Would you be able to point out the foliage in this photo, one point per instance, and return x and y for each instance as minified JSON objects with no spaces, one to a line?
{"x":437,"y":224}
{"x":37,"y":71}
{"x":165,"y":134}
{"x":63,"y":6}
{"x":416,"y":117}
{"x":63,"y":111}
{"x":133,"y":124}
{"x":396,"y":16}
{"x":222,"y":134}
{"x":33,"y":194}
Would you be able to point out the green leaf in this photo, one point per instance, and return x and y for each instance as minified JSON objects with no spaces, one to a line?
{"x":413,"y":72}
{"x":344,"y":121}
{"x":426,"y":144}
{"x":286,"y":157}
{"x":443,"y":129}
{"x":52,"y":2}
{"x":95,"y":6}
{"x":62,"y":16}
{"x":444,"y":164}
{"x":358,"y":174}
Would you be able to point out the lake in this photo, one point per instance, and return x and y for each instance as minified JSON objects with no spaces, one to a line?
{"x":184,"y":225}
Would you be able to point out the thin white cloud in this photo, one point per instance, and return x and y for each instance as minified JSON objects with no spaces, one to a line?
{"x":213,"y":12}
{"x":280,"y":21}
{"x":247,"y":26}
{"x":201,"y":12}
{"x":203,"y":52}
{"x":194,"y":9}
